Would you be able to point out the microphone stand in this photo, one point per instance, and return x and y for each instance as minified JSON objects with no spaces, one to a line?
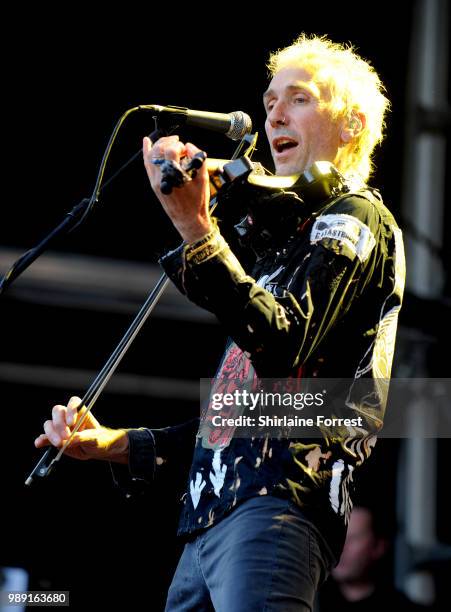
{"x":52,"y":455}
{"x":71,"y":219}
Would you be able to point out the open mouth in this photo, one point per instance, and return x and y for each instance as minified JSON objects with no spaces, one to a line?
{"x":280,"y":145}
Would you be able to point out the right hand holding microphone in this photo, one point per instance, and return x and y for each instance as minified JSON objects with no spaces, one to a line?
{"x":92,"y":440}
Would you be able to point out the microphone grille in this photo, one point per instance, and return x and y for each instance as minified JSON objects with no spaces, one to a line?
{"x":240,"y":125}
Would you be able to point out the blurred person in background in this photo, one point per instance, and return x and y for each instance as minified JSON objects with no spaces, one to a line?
{"x":359,"y":583}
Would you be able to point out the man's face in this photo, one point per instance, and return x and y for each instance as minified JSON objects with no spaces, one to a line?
{"x":299,"y":131}
{"x":361,"y":550}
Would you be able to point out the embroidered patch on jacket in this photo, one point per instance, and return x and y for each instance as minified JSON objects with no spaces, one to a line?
{"x":345,"y":234}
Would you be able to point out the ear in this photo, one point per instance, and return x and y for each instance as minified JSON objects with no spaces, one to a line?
{"x":352,"y":126}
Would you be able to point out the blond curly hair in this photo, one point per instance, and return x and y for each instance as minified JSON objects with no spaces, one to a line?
{"x":354,"y":87}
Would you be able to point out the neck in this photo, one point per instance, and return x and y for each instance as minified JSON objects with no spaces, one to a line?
{"x":355,"y":591}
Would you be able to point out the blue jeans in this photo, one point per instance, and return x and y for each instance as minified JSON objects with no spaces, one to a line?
{"x":263,"y":556}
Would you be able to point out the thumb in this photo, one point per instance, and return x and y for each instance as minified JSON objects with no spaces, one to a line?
{"x":147,"y":146}
{"x":90,"y":422}
{"x":75,"y":411}
{"x":87,"y":437}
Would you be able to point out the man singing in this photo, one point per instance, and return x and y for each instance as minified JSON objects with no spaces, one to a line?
{"x":264,"y":518}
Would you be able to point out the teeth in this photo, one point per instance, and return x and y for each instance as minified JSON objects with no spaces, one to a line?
{"x":282,"y":142}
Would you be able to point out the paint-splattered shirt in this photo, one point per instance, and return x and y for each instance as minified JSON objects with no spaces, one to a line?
{"x":322,"y":304}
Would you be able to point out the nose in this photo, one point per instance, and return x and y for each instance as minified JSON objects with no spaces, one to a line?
{"x":276,"y":116}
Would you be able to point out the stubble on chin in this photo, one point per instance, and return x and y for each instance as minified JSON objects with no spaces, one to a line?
{"x":287,"y":170}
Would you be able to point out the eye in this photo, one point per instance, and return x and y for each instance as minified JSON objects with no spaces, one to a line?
{"x":300,"y":99}
{"x":269,"y":107}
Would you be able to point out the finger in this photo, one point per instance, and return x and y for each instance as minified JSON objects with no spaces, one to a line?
{"x":147,"y":147}
{"x":59,"y":420}
{"x":152,"y":152}
{"x":158,"y":148}
{"x":41,"y":441}
{"x":52,"y":435}
{"x":166,"y":148}
{"x":75,"y":413}
{"x":174,"y":151}
{"x":72,"y":409}
{"x":191,"y":151}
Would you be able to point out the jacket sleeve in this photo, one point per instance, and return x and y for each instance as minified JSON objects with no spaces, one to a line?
{"x":154,"y":450}
{"x":286,"y":326}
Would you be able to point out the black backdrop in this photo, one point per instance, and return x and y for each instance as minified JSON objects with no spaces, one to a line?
{"x":66,"y":84}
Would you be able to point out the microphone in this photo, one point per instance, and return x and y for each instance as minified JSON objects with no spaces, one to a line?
{"x":234,"y":125}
